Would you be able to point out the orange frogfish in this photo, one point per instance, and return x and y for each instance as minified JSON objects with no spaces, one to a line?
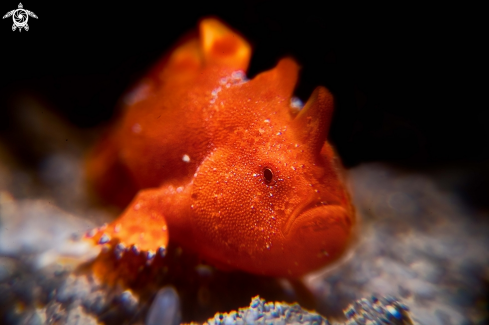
{"x":229,"y":168}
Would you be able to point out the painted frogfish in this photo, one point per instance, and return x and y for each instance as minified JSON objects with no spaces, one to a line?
{"x":229,"y":168}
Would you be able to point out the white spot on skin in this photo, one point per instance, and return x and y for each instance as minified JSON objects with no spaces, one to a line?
{"x":215,"y":94}
{"x":216,"y":91}
{"x":186,"y":158}
{"x":117,"y":228}
{"x":137,"y":206}
{"x":180,"y":189}
{"x":266,"y":120}
{"x":138,"y":94}
{"x":239,"y":76}
{"x":296,"y":103}
{"x":136,"y":128}
{"x":236,"y":78}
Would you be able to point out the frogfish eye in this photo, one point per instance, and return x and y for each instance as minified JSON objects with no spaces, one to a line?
{"x":267,"y":175}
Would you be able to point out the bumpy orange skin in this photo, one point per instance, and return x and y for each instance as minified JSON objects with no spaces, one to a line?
{"x":225,"y":166}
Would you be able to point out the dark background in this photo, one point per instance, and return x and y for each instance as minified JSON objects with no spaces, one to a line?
{"x":406,"y":77}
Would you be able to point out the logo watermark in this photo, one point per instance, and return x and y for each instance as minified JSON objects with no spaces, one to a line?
{"x":20,"y":17}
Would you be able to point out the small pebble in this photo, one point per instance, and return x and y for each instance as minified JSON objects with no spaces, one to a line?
{"x":165,"y":309}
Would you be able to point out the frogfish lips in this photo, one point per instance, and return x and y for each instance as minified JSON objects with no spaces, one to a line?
{"x":314,"y":212}
{"x":322,"y":230}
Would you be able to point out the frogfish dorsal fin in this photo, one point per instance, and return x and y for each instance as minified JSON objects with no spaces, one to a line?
{"x":311,"y":125}
{"x":279,"y":81}
{"x":222,"y":46}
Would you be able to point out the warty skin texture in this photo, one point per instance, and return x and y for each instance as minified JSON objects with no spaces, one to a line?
{"x":223,"y":166}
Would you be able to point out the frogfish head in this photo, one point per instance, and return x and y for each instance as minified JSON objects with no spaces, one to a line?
{"x":270,"y":198}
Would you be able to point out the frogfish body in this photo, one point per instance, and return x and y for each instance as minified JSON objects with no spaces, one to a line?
{"x":224,"y":166}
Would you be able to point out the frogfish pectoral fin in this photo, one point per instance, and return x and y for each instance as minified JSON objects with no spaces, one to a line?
{"x":140,"y":228}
